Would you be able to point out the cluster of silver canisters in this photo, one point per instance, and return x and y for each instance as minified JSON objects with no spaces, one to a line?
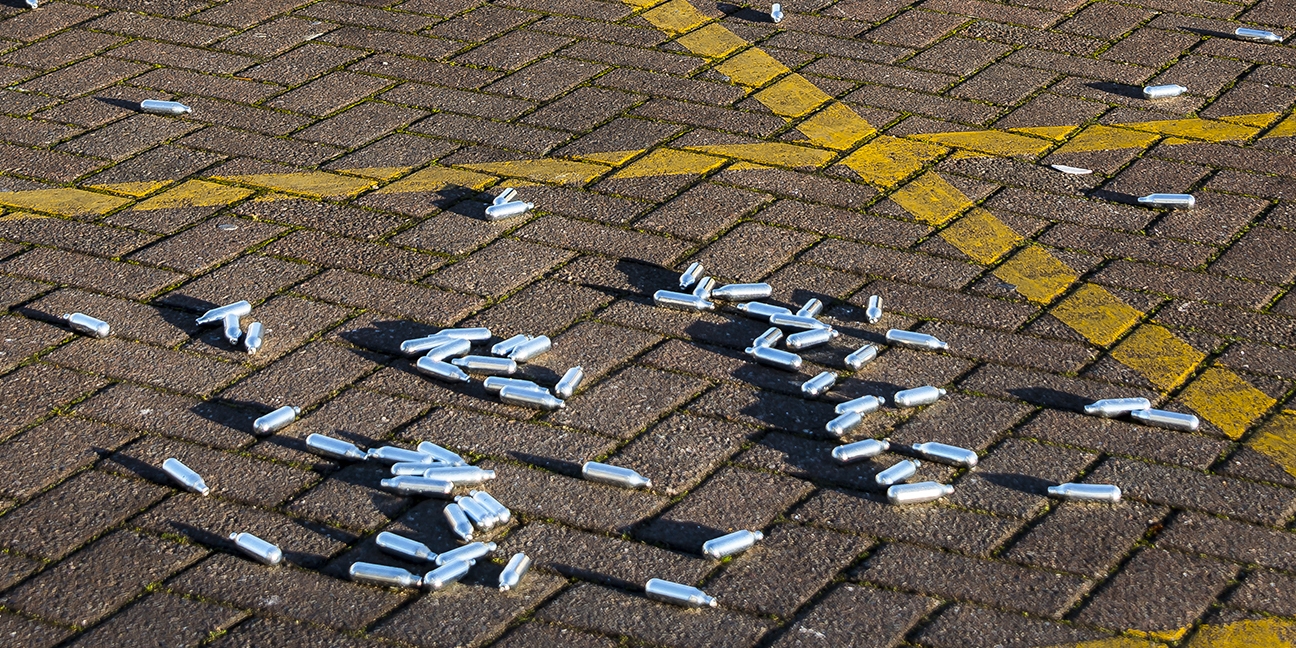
{"x":229,"y":317}
{"x":451,"y":566}
{"x":447,"y":356}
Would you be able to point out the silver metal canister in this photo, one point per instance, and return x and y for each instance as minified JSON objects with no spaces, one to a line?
{"x":506,"y":347}
{"x":682,"y":301}
{"x":796,"y":322}
{"x":494,"y":384}
{"x":862,"y":405}
{"x":421,"y":486}
{"x":570,"y":383}
{"x":1113,"y":407}
{"x":258,"y":549}
{"x":253,"y":340}
{"x":819,"y":385}
{"x":531,"y":348}
{"x":159,"y":107}
{"x":335,"y":448}
{"x":441,"y":454}
{"x":742,"y":292}
{"x":861,"y":357}
{"x":450,"y":348}
{"x":399,"y":545}
{"x":472,"y":551}
{"x":860,"y":450}
{"x":488,"y":365}
{"x":678,"y":594}
{"x":460,"y":475}
{"x":946,"y":454}
{"x":385,"y":575}
{"x":811,"y":338}
{"x":218,"y":314}
{"x":812,"y":308}
{"x":728,"y":545}
{"x":443,"y":371}
{"x":760,"y":310}
{"x":1163,"y":91}
{"x":84,"y":324}
{"x":460,"y":525}
{"x":1168,"y":420}
{"x":528,"y":397}
{"x":925,"y":395}
{"x":276,"y":420}
{"x":614,"y":475}
{"x":874,"y":311}
{"x":446,"y":574}
{"x":185,"y":476}
{"x":915,"y":340}
{"x":511,"y":209}
{"x":775,"y":358}
{"x":516,"y":568}
{"x":897,"y":473}
{"x":902,"y":494}
{"x":1257,"y":35}
{"x":690,"y":276}
{"x":1086,"y":492}
{"x":843,"y":424}
{"x":1173,"y":201}
{"x":394,"y":455}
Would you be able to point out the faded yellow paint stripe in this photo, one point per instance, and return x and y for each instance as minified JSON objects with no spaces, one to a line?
{"x":675,"y":17}
{"x":836,"y":127}
{"x":1158,"y":355}
{"x":378,"y":173}
{"x":1252,"y":633}
{"x":931,"y":199}
{"x":989,"y":141}
{"x":1257,"y":120}
{"x":1050,"y":132}
{"x":1286,"y":128}
{"x":436,"y":179}
{"x":136,"y":189}
{"x":1208,"y":130}
{"x":315,"y":184}
{"x":792,"y":96}
{"x":1119,"y":642}
{"x":1106,"y":138}
{"x":1277,"y":440}
{"x":1095,"y":313}
{"x":196,"y":193}
{"x":770,"y":153}
{"x":547,"y":170}
{"x":752,"y":68}
{"x":65,"y":202}
{"x":981,"y":236}
{"x":670,"y":162}
{"x":1226,"y":401}
{"x":1036,"y":274}
{"x":886,"y":160}
{"x":610,"y":158}
{"x":712,"y":41}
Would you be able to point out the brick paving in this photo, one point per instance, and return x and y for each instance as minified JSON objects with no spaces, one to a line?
{"x":856,"y":148}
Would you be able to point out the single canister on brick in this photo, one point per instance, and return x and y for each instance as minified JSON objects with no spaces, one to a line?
{"x":775,"y":358}
{"x":258,"y":549}
{"x":569,"y":383}
{"x":531,"y":348}
{"x":451,"y":348}
{"x":742,"y":292}
{"x":921,"y":492}
{"x":494,"y":384}
{"x":528,"y":397}
{"x":678,"y":594}
{"x":811,"y":338}
{"x":946,"y":454}
{"x":614,"y":475}
{"x":394,"y":455}
{"x":819,"y":385}
{"x":460,"y":475}
{"x":385,"y":575}
{"x":1163,"y":91}
{"x":218,"y":314}
{"x":511,"y":209}
{"x":398,"y":545}
{"x":862,"y":356}
{"x":1257,"y":35}
{"x":733,"y":543}
{"x":86,"y":325}
{"x":472,"y":551}
{"x":335,"y":448}
{"x":185,"y":476}
{"x":704,"y":287}
{"x":874,"y":311}
{"x":443,"y":371}
{"x":506,"y":347}
{"x":1113,"y":407}
{"x":487,"y":365}
{"x":690,"y":276}
{"x":1173,"y":201}
{"x":925,"y":395}
{"x":516,"y":568}
{"x":843,"y":424}
{"x":812,"y":308}
{"x":862,"y":405}
{"x":860,"y":450}
{"x":501,"y":512}
{"x":252,"y":341}
{"x":1086,"y":492}
{"x":422,"y":486}
{"x":761,"y":310}
{"x":796,"y":322}
{"x":682,"y":301}
{"x":897,"y":473}
{"x":769,"y":338}
{"x":480,"y":517}
{"x":441,"y":454}
{"x":276,"y":420}
{"x":159,"y":107}
{"x":232,"y":329}
{"x":915,"y":340}
{"x":460,"y":525}
{"x":1169,"y":420}
{"x":446,"y":574}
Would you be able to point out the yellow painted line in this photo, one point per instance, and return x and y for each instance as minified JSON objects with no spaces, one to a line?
{"x":1097,"y":314}
{"x":712,"y":41}
{"x":378,"y":173}
{"x":931,"y":199}
{"x":1164,"y":635}
{"x":1159,"y":356}
{"x":836,"y":127}
{"x":675,"y":17}
{"x":1208,"y":130}
{"x":1107,"y":138}
{"x":314,"y":184}
{"x":1036,"y":274}
{"x":64,"y":202}
{"x":1120,"y":642}
{"x":770,"y":154}
{"x":134,"y":189}
{"x":1257,"y":633}
{"x":1257,"y":120}
{"x":1049,"y":132}
{"x":1277,"y":440}
{"x":436,"y":179}
{"x":1227,"y":401}
{"x":886,"y":160}
{"x":792,"y":96}
{"x":550,"y":170}
{"x":981,"y":236}
{"x":752,"y":68}
{"x":989,"y":141}
{"x":610,"y":158}
{"x":21,"y":216}
{"x":196,"y":193}
{"x":670,"y":162}
{"x":1286,"y":128}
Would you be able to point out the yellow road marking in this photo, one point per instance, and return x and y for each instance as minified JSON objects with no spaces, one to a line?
{"x":610,"y":158}
{"x":886,"y":160}
{"x":134,"y":189}
{"x":1107,"y":138}
{"x":1286,"y":128}
{"x":1097,"y":314}
{"x":981,"y":236}
{"x":989,"y":141}
{"x":1120,"y":642}
{"x":836,"y":127}
{"x":792,"y":96}
{"x":1158,"y":355}
{"x":552,"y":170}
{"x":670,"y":162}
{"x":64,"y":202}
{"x":1198,"y":129}
{"x":196,"y":193}
{"x":711,"y":41}
{"x":770,"y":153}
{"x":931,"y":199}
{"x":314,"y":184}
{"x":1258,"y":633}
{"x":1036,"y":274}
{"x":377,"y":173}
{"x":436,"y":179}
{"x":1227,"y":401}
{"x":1277,"y":440}
{"x":675,"y":17}
{"x":752,"y":68}
{"x":1051,"y":132}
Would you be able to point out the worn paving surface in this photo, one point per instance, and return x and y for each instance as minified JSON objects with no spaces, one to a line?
{"x":859,"y":147}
